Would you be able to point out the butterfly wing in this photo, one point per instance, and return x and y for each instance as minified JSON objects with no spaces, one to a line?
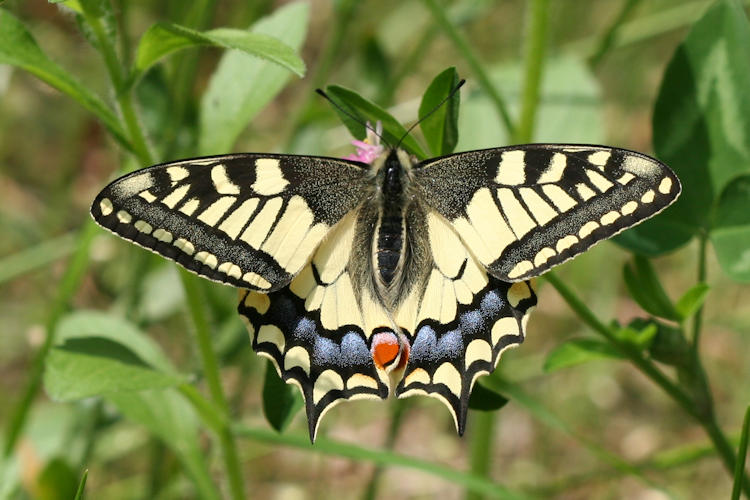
{"x":524,"y":209}
{"x":318,"y":331}
{"x":247,"y":220}
{"x":459,"y":319}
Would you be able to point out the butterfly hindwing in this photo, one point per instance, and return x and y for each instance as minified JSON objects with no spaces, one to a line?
{"x":524,"y":209}
{"x":248,"y":220}
{"x":317,"y":331}
{"x":463,"y":320}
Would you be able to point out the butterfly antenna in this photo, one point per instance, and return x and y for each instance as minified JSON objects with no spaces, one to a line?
{"x":448,"y":97}
{"x":350,"y":114}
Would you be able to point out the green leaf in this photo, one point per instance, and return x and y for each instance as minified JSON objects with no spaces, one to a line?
{"x":739,"y":468}
{"x":84,"y":324}
{"x":576,"y":351}
{"x":485,"y":399}
{"x":692,"y":300}
{"x":169,"y":417}
{"x":242,"y":84}
{"x":57,"y":481}
{"x":570,"y":106}
{"x":367,"y":111}
{"x":645,"y":288}
{"x":162,"y":39}
{"x":670,"y":346}
{"x":18,"y":48}
{"x":701,"y":124}
{"x":82,"y":485}
{"x":639,"y":332}
{"x":93,"y":366}
{"x":281,"y":401}
{"x":731,"y":233}
{"x":440,"y":128}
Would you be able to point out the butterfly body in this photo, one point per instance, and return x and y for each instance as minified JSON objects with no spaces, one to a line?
{"x":399,"y":277}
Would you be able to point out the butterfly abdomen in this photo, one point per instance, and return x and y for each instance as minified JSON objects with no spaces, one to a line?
{"x":389,"y":244}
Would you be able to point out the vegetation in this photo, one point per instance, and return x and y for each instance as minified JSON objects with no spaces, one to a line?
{"x":125,"y":378}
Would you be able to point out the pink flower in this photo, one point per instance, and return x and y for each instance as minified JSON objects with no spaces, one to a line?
{"x":370,"y":148}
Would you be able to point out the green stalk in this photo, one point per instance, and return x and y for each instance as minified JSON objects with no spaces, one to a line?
{"x":40,"y":255}
{"x":340,"y":449}
{"x":399,"y":409}
{"x":473,"y":61}
{"x":536,"y":41}
{"x":66,"y":289}
{"x":192,"y":292}
{"x":739,"y":470}
{"x":705,"y":419}
{"x":611,"y":35}
{"x":482,"y":431}
{"x":211,"y":371}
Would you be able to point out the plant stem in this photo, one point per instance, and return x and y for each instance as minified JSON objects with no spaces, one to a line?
{"x":739,"y":470}
{"x":68,"y":285}
{"x":211,"y":371}
{"x":705,"y":419}
{"x":468,"y":53}
{"x":399,"y":409}
{"x":698,"y":317}
{"x":325,"y":446}
{"x":482,"y":431}
{"x":610,"y":36}
{"x":536,"y":41}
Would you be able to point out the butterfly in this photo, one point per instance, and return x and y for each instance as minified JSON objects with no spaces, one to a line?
{"x":361,"y":280}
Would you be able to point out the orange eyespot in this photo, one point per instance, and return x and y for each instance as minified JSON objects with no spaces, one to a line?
{"x":385,"y":349}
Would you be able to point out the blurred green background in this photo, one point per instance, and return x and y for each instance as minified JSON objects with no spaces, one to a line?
{"x":594,"y":430}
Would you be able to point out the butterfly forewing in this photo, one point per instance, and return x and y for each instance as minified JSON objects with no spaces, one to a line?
{"x":524,"y":209}
{"x":247,"y":220}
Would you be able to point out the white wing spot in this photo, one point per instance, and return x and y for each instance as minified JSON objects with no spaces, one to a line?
{"x":146,"y":195}
{"x":511,"y":169}
{"x":543,"y":256}
{"x":555,"y":169}
{"x":599,"y":158}
{"x":359,"y":380}
{"x":609,"y":218}
{"x":629,"y":207}
{"x":598,"y":180}
{"x":208,"y":259}
{"x":216,"y":210}
{"x":648,"y":196}
{"x":518,"y":292}
{"x":230,"y":269}
{"x":585,"y":192}
{"x":190,"y":206}
{"x":419,"y":375}
{"x":184,"y":245}
{"x":625,"y":178}
{"x":327,"y":381}
{"x":124,"y":217}
{"x":269,"y":180}
{"x":665,"y":186}
{"x":143,"y":226}
{"x":221,"y":181}
{"x":173,"y":198}
{"x":565,"y":243}
{"x":163,"y":235}
{"x":272,"y":334}
{"x":502,"y":327}
{"x":256,"y":280}
{"x":562,"y":200}
{"x":106,"y":206}
{"x":176,"y":174}
{"x":297,"y":356}
{"x":448,"y":375}
{"x":520,"y":269}
{"x":587,"y":229}
{"x":477,"y":350}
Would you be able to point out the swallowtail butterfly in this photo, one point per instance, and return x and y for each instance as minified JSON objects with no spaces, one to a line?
{"x":360,"y":280}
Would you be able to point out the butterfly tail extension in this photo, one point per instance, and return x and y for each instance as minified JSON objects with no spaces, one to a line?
{"x":447,"y":358}
{"x":327,"y":366}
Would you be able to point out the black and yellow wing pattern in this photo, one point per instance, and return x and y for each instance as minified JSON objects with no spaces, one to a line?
{"x":300,"y":236}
